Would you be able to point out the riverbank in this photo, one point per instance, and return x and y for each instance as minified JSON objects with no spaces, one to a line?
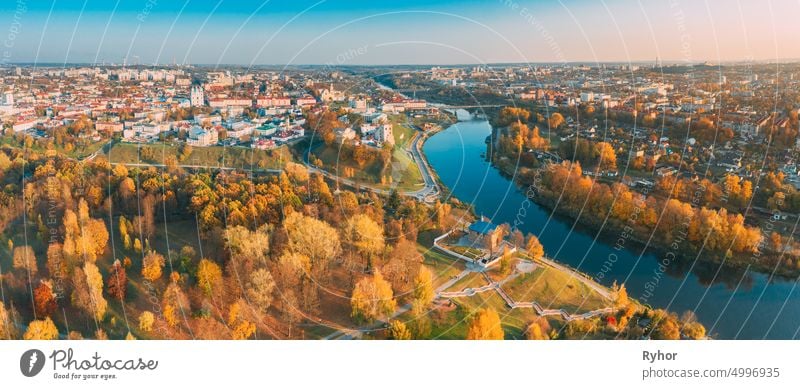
{"x":679,"y":246}
{"x":728,"y":301}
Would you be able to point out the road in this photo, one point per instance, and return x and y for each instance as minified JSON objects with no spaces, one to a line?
{"x":431,"y":189}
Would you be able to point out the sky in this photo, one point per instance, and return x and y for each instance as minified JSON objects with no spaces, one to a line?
{"x":360,"y":32}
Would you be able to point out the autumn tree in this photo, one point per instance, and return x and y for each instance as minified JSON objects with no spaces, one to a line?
{"x":44,"y":299}
{"x":209,"y":276}
{"x":313,"y":238}
{"x":372,"y":298}
{"x":694,"y":330}
{"x":247,"y":249}
{"x":296,"y":172}
{"x":318,"y":190}
{"x":485,"y":325}
{"x":420,"y":325}
{"x":43,"y":329}
{"x":144,"y":223}
{"x":538,"y":329}
{"x":152,"y":265}
{"x":423,"y":287}
{"x":620,"y":295}
{"x":364,"y":235}
{"x":403,"y":264}
{"x":534,"y":248}
{"x":606,"y":156}
{"x":260,"y":288}
{"x":666,"y":325}
{"x":399,"y":331}
{"x":510,"y":115}
{"x":87,"y":292}
{"x":556,"y":120}
{"x":25,"y":259}
{"x":738,"y":189}
{"x":170,"y":315}
{"x":442,"y":214}
{"x":8,"y":329}
{"x":85,"y":239}
{"x":146,"y":320}
{"x":243,"y":330}
{"x":536,"y":141}
{"x":117,"y":283}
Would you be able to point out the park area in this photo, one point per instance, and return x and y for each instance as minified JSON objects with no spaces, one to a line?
{"x":157,"y":154}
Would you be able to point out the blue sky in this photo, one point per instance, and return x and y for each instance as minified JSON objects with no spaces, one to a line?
{"x":383,"y":32}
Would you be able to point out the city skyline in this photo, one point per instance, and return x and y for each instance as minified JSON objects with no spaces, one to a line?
{"x":363,"y":33}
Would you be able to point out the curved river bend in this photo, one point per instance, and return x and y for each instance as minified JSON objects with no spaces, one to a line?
{"x":732,"y":304}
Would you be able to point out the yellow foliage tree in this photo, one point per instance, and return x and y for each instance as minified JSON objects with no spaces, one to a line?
{"x":537,"y":330}
{"x":485,"y":326}
{"x":41,"y":330}
{"x":399,"y":331}
{"x":209,"y":276}
{"x":146,"y":320}
{"x":95,"y":281}
{"x":372,"y":298}
{"x":423,"y":287}
{"x":170,"y":316}
{"x":534,"y":248}
{"x":365,"y":235}
{"x":313,"y":238}
{"x":25,"y":259}
{"x":620,"y":295}
{"x":243,"y":330}
{"x":152,"y":265}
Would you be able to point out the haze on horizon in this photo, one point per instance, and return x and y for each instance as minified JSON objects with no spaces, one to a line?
{"x":361,"y":32}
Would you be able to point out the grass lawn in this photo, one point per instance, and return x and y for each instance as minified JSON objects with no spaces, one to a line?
{"x":405,"y":173}
{"x":403,"y":134}
{"x":81,"y":149}
{"x":315,"y":331}
{"x":467,"y":251}
{"x":554,"y":289}
{"x":472,"y":280}
{"x":239,"y":157}
{"x":454,"y":324}
{"x":442,"y":266}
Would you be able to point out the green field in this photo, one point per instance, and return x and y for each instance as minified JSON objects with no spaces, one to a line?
{"x":79,"y":150}
{"x":554,"y":289}
{"x":472,"y":280}
{"x":442,"y":266}
{"x":470,"y":252}
{"x":453,"y":324}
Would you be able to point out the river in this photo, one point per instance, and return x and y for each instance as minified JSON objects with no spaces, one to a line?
{"x":731,"y":303}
